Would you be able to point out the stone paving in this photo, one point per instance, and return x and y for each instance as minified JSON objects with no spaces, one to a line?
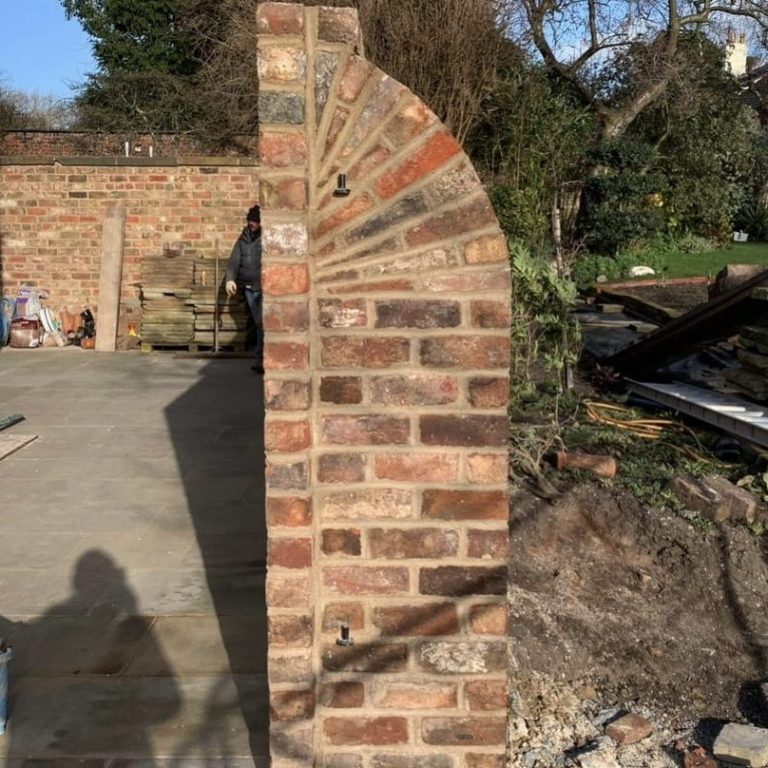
{"x":132,"y":550}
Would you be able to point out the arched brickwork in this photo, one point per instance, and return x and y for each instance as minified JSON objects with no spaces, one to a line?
{"x":387,"y":315}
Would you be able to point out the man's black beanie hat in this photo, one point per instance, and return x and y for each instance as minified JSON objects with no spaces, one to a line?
{"x":254,"y":214}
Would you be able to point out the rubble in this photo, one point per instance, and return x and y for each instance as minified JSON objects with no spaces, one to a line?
{"x":715,"y":498}
{"x":629,"y":729}
{"x":743,"y":745}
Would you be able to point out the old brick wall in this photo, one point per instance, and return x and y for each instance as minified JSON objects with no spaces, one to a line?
{"x":52,"y":211}
{"x":387,"y":356}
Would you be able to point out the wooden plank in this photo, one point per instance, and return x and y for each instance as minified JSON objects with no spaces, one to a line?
{"x":11,"y":443}
{"x":110,"y":278}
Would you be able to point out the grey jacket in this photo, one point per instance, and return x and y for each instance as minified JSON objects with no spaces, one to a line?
{"x":244,"y":265}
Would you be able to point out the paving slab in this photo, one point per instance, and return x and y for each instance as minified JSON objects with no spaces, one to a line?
{"x":133,"y":566}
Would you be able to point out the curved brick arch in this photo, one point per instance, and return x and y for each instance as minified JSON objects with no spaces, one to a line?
{"x":387,"y":313}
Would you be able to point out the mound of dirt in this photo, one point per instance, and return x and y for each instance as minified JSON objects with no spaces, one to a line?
{"x":619,"y":608}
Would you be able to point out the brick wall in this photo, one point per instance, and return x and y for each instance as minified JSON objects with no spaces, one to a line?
{"x":387,"y":314}
{"x":52,"y":212}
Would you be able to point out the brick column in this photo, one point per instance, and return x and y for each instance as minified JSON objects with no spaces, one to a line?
{"x":387,"y":465}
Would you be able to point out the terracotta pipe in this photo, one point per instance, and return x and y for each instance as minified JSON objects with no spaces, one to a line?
{"x":605,"y":466}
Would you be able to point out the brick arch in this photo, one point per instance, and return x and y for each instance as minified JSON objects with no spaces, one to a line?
{"x":387,"y":313}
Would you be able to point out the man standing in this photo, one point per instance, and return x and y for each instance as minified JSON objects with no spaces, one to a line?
{"x":244,"y":272}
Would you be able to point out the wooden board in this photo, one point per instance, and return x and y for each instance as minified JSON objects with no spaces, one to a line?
{"x":11,"y":443}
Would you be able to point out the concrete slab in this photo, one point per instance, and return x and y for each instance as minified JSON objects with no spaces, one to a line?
{"x":132,"y":575}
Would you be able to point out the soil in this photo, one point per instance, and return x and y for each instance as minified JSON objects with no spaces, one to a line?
{"x":616,"y":608}
{"x":680,"y":297}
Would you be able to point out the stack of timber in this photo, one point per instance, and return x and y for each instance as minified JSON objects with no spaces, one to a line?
{"x":218,"y":318}
{"x":166,"y":288}
{"x":752,"y":375}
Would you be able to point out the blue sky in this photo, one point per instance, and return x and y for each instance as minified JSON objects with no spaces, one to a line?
{"x":40,"y":51}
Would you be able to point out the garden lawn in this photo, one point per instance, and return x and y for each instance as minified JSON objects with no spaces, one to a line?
{"x":709,"y":263}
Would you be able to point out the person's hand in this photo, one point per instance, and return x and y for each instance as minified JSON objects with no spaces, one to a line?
{"x":231,"y":287}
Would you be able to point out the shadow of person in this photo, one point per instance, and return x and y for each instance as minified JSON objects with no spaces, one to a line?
{"x":73,"y":694}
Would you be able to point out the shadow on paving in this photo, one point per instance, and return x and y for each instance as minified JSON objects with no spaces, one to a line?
{"x":156,"y":654}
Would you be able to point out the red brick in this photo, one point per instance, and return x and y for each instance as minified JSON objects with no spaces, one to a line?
{"x":354,"y":352}
{"x":283,"y":194}
{"x":488,"y":392}
{"x":419,"y":620}
{"x":351,"y":210}
{"x":467,"y":431}
{"x":417,"y":313}
{"x":341,"y":541}
{"x":487,"y":249}
{"x":341,"y":468}
{"x":359,"y":731}
{"x":412,"y":543}
{"x":412,"y":119}
{"x":341,"y":390}
{"x":290,"y":553}
{"x":287,"y":395}
{"x":286,"y":355}
{"x":355,"y":77}
{"x":466,"y":352}
{"x":629,"y":729}
{"x":490,"y":314}
{"x":417,"y":694}
{"x":488,"y":468}
{"x":340,"y":313}
{"x":464,"y":731}
{"x":288,"y":511}
{"x":486,"y":695}
{"x":338,"y":25}
{"x":365,"y":430}
{"x":291,"y":705}
{"x":464,"y":505}
{"x":280,"y":19}
{"x":293,"y":476}
{"x":485,"y":760}
{"x":368,"y":163}
{"x":416,"y":467}
{"x":457,"y":581}
{"x":285,"y":279}
{"x":336,"y":614}
{"x":414,"y":390}
{"x":286,"y":316}
{"x":281,"y":64}
{"x":286,"y":436}
{"x":288,"y":591}
{"x":450,"y":224}
{"x":295,"y":631}
{"x":347,"y":694}
{"x":374,"y":658}
{"x":437,"y":151}
{"x":367,"y":504}
{"x":493,"y":545}
{"x":362,"y":580}
{"x":282,"y":150}
{"x":489,"y":619}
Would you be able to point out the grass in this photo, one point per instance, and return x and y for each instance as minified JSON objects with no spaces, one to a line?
{"x":709,"y":263}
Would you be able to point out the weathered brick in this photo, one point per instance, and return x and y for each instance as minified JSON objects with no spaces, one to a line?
{"x":287,"y":395}
{"x":429,"y":619}
{"x":338,"y":25}
{"x":438,"y":150}
{"x":280,"y":19}
{"x":283,"y":64}
{"x":341,"y":468}
{"x":279,"y":107}
{"x":341,"y":541}
{"x":466,"y":352}
{"x":336,"y":614}
{"x":291,"y":705}
{"x":365,"y":430}
{"x":490,"y":314}
{"x":284,"y":240}
{"x":340,"y":760}
{"x":488,"y":468}
{"x":282,"y":150}
{"x":367,"y":504}
{"x":463,"y":731}
{"x":412,"y":313}
{"x":412,"y":543}
{"x":414,"y":694}
{"x":286,"y":316}
{"x":455,"y":581}
{"x":286,"y":436}
{"x":288,"y":511}
{"x":288,"y":591}
{"x":290,"y":667}
{"x":446,"y":657}
{"x":290,"y":553}
{"x":365,"y":730}
{"x":354,"y":352}
{"x":285,"y":279}
{"x":357,"y":206}
{"x":290,"y":631}
{"x":286,"y":355}
{"x":489,"y":545}
{"x":487,"y":249}
{"x":464,"y":505}
{"x":369,"y":162}
{"x":454,"y":183}
{"x":485,"y":695}
{"x":488,"y":391}
{"x":485,"y":760}
{"x":341,"y":390}
{"x":347,"y":694}
{"x":340,"y":313}
{"x":386,"y":93}
{"x":383,"y":219}
{"x":411,"y":761}
{"x":449,"y":224}
{"x":288,"y":194}
{"x":414,"y":390}
{"x":293,"y":741}
{"x":411,"y":120}
{"x":415,"y":467}
{"x":366,"y":657}
{"x":287,"y":476}
{"x":462,"y":430}
{"x":362,"y":580}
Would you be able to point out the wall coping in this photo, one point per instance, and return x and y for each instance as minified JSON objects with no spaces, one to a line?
{"x":159,"y":162}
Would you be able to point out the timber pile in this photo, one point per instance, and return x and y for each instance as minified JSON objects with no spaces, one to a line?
{"x":209,"y":302}
{"x":752,"y":377}
{"x":166,"y":287}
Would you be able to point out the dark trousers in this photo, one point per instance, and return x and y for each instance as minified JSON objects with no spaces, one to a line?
{"x":255,"y":339}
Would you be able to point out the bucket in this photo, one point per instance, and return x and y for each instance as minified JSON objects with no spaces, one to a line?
{"x":5,"y":658}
